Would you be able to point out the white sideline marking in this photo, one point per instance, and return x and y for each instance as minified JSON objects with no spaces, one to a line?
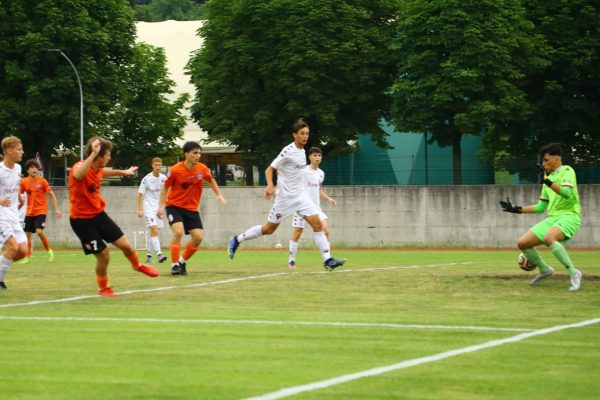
{"x":232,"y":280}
{"x":266,"y":322}
{"x":291,"y":391}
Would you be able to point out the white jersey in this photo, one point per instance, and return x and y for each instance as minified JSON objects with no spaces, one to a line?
{"x":150,"y":188}
{"x":290,"y":164}
{"x":314,"y":179}
{"x":10,"y":179}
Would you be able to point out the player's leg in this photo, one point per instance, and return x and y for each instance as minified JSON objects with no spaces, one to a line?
{"x":563,"y":229}
{"x":192,"y":225}
{"x":329,"y":263}
{"x":156,"y":241}
{"x":27,"y":258}
{"x":298,"y":227}
{"x":15,"y":248}
{"x":152,"y":242}
{"x":102,"y":259}
{"x":40,"y":224}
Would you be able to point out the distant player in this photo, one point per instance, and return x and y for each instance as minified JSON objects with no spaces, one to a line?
{"x":292,"y":197}
{"x":147,"y":206}
{"x":314,"y":177}
{"x":181,"y":194}
{"x":12,"y":236}
{"x":89,"y":221}
{"x":36,"y":188}
{"x":561,"y":198}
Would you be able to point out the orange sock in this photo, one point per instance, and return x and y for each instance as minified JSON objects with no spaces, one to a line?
{"x":134,"y":260}
{"x":46,"y":243}
{"x":175,"y":249}
{"x":189,"y":251}
{"x":29,"y":245}
{"x":102,"y":281}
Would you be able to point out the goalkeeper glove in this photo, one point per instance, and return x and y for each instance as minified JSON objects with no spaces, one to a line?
{"x":508,"y":207}
{"x":546,"y":181}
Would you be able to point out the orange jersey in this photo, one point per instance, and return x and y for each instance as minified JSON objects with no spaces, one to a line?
{"x":84,"y":194}
{"x":36,"y":189}
{"x":185,"y":185}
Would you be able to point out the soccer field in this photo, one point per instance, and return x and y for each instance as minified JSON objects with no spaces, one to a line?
{"x":387,"y":325}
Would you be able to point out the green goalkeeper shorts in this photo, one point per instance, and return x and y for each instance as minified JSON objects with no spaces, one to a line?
{"x":567,"y":223}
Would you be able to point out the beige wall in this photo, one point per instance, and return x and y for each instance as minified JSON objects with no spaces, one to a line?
{"x":430,"y":216}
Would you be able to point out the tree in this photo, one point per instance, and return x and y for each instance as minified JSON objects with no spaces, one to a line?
{"x":460,"y":68}
{"x":162,"y":10}
{"x":265,"y":63}
{"x":39,"y":95}
{"x":146,"y":124}
{"x":565,"y":95}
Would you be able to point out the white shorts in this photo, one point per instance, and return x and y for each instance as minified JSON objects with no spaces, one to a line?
{"x":152,"y":219}
{"x":286,"y":206}
{"x":8,"y":229}
{"x":299,"y":222}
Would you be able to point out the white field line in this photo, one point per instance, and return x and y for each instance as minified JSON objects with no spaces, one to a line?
{"x":226,"y":281}
{"x":266,"y":322}
{"x":291,"y":391}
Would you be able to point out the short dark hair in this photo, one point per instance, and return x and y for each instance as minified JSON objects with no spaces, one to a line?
{"x":314,"y":150}
{"x":32,"y":162}
{"x":299,"y":125}
{"x":553,"y":149}
{"x":190,"y":146}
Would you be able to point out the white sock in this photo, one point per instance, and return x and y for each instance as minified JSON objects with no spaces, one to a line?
{"x":251,"y":233}
{"x":323,"y":245}
{"x":293,"y":250}
{"x":155,"y":244}
{"x":4,"y":264}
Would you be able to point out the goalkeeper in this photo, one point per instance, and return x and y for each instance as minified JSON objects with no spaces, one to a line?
{"x":559,"y":195}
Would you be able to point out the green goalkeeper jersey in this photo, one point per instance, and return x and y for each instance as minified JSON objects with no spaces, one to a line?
{"x":564,"y":176}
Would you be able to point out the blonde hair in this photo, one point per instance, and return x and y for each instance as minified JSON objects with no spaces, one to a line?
{"x":9,"y":142}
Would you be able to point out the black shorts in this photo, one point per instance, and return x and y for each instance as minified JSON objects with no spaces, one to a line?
{"x":191,"y":219}
{"x":94,"y":232}
{"x":34,"y":222}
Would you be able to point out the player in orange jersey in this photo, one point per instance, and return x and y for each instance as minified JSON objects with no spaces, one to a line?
{"x":36,"y":188}
{"x":89,"y":221}
{"x":181,"y":194}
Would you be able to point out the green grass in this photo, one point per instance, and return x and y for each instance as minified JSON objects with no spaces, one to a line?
{"x":185,"y":343}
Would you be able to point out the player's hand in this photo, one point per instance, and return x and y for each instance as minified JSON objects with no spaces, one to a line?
{"x":332,"y":202}
{"x":130,"y":171}
{"x":59,"y":214}
{"x":159,"y":213}
{"x":508,"y":207}
{"x":269,"y":191}
{"x":96,"y":147}
{"x":222,"y":200}
{"x":140,"y":213}
{"x":5,"y":202}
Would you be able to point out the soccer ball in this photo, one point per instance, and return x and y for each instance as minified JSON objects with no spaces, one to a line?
{"x":525,"y":264}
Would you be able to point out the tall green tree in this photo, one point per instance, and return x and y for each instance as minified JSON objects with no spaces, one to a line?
{"x":461,"y":64}
{"x":265,"y":63}
{"x":564,"y":96}
{"x":39,"y":95}
{"x":146,"y":123}
{"x":162,"y":10}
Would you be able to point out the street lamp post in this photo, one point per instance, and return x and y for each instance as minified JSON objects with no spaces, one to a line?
{"x":80,"y":102}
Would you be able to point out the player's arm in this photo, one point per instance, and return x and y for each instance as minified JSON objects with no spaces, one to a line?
{"x":55,"y":204}
{"x":140,"y":211}
{"x":120,"y":172}
{"x":327,"y":197}
{"x":270,"y":190}
{"x":563,"y":190}
{"x":161,"y":201}
{"x":538,"y":208}
{"x":83,"y":168}
{"x":215,"y":188}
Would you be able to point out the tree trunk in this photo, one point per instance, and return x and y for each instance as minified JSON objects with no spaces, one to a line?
{"x":456,"y":158}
